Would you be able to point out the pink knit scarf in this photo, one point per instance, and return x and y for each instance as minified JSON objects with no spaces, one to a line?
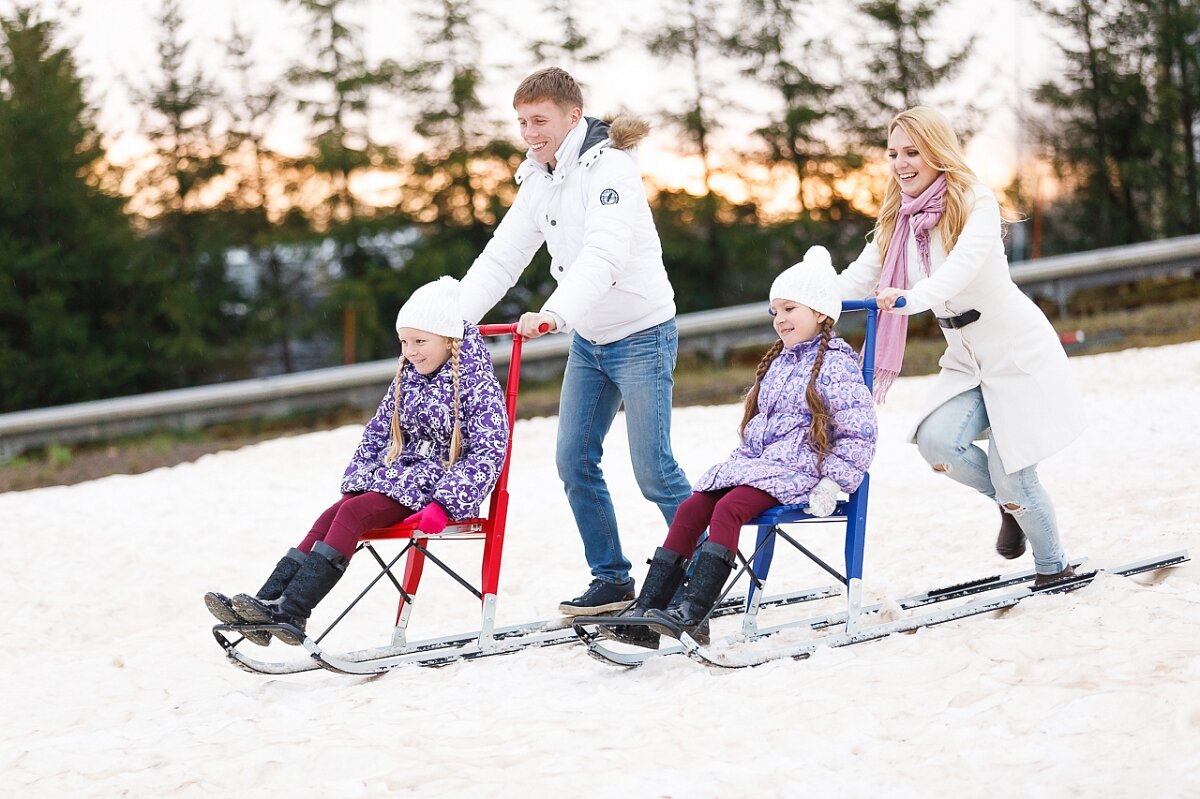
{"x":919,"y":215}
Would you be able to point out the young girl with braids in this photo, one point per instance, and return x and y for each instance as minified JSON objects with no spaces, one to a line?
{"x":808,"y":432}
{"x":431,"y":454}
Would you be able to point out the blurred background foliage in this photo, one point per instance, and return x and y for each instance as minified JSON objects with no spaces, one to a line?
{"x":226,"y":258}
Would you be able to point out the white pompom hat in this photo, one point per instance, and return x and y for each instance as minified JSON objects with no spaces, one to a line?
{"x":812,"y":282}
{"x":434,"y":308}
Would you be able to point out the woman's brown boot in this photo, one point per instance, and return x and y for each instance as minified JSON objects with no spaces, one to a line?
{"x":1041,"y":580}
{"x":1010,"y":543}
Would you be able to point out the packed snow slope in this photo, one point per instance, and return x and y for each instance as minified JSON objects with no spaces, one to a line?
{"x":114,"y":686}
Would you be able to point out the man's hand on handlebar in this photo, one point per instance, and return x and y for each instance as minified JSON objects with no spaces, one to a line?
{"x":533,"y":324}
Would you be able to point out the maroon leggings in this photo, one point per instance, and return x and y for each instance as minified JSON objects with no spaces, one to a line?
{"x":723,"y":512}
{"x":344,"y":522}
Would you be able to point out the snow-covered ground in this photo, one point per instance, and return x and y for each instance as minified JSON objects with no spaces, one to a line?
{"x":113,"y":685}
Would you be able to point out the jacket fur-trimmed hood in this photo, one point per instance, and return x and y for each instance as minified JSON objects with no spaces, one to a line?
{"x":626,"y":131}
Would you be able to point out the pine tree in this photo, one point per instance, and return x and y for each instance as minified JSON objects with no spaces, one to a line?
{"x":1119,"y":122}
{"x":461,"y":183}
{"x":1173,"y":42}
{"x":901,"y":72}
{"x":337,"y":90}
{"x":1097,"y":127}
{"x":568,"y":45}
{"x":199,"y":302}
{"x":74,"y":321}
{"x":179,"y":124}
{"x":691,"y":34}
{"x":263,"y":212}
{"x":775,"y":57}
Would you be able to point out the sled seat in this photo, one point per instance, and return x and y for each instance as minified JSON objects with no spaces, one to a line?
{"x":850,"y":513}
{"x":416,"y":547}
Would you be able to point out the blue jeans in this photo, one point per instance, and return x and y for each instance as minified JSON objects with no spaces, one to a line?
{"x":945,"y":441}
{"x":636,"y":370}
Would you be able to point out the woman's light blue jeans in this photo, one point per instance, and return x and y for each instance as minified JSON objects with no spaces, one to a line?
{"x":636,"y":370}
{"x":945,"y":441}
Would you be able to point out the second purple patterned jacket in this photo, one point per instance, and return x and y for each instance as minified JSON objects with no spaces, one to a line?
{"x":419,"y":475}
{"x":775,"y":456}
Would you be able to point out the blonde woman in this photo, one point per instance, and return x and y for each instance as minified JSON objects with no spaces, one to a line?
{"x":1004,"y":375}
{"x":431,"y":454}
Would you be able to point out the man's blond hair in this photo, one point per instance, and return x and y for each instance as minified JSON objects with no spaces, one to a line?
{"x":553,"y":84}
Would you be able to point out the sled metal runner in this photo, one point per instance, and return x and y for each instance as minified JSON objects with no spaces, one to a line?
{"x":995,"y":597}
{"x":437,"y":651}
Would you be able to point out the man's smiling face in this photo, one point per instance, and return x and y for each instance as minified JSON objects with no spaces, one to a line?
{"x":544,"y":125}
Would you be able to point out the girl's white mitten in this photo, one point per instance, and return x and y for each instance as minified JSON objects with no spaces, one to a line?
{"x":823,"y":499}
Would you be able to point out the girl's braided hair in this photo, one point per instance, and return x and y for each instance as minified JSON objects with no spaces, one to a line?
{"x":397,"y":437}
{"x":820,"y":431}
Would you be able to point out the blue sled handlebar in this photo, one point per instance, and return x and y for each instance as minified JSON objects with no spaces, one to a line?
{"x":868,"y":304}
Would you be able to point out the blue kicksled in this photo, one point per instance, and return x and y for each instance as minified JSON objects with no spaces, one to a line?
{"x":999,"y":591}
{"x":853,"y":511}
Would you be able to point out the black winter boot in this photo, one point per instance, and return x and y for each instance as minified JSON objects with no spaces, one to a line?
{"x":221,"y":606}
{"x":665,"y":575}
{"x":677,"y":599}
{"x":319,"y":573}
{"x":1010,"y":543}
{"x":712,"y":570}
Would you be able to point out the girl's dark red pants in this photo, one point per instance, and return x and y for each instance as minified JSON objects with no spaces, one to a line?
{"x":722,"y":512}
{"x":344,"y":522}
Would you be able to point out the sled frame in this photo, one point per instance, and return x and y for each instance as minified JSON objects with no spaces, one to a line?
{"x":852,"y":513}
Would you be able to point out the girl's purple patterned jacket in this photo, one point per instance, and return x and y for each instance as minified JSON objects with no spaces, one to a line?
{"x":418,"y":475}
{"x":776,"y":456}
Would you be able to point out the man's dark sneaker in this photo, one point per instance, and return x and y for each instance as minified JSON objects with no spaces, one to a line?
{"x":1042,"y":580}
{"x":600,"y":597}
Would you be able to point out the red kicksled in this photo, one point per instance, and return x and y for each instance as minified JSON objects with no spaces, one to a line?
{"x":489,"y":528}
{"x":415,"y":550}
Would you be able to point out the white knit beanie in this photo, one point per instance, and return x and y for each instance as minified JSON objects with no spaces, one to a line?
{"x":434,"y":308}
{"x":812,"y":282}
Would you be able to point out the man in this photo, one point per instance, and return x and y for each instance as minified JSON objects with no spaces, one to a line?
{"x":581,"y":193}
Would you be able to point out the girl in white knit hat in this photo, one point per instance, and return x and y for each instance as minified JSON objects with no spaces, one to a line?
{"x":808,"y":432}
{"x":431,"y":454}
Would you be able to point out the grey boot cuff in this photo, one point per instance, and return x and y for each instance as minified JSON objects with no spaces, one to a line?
{"x":664,"y":554}
{"x":337,"y":559}
{"x":721,"y":552}
{"x":296,"y":555}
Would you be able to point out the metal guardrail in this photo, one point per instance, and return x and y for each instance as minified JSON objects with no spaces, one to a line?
{"x":1058,"y":277}
{"x":361,"y":385}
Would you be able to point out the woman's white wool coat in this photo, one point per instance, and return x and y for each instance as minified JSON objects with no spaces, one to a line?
{"x":1012,"y":352}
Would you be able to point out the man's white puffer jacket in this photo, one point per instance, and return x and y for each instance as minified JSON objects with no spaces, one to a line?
{"x":592,"y":213}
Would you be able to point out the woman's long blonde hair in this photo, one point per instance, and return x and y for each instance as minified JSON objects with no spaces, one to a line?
{"x":397,"y":443}
{"x":934,"y":137}
{"x":820,"y":430}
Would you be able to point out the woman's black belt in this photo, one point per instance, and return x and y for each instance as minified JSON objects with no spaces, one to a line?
{"x":962,"y":320}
